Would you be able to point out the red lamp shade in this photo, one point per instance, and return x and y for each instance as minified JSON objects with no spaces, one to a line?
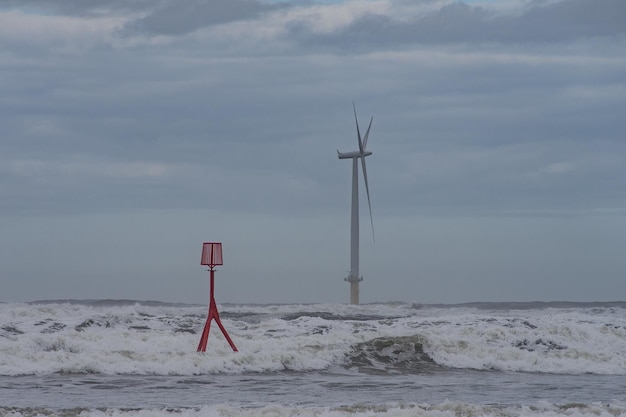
{"x":211,"y":254}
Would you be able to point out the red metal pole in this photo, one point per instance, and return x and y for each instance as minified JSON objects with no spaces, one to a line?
{"x":213,"y":315}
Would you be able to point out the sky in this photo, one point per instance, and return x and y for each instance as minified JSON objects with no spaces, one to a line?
{"x":133,"y":131}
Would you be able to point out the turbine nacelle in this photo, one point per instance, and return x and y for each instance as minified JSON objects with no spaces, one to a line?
{"x":353,"y":154}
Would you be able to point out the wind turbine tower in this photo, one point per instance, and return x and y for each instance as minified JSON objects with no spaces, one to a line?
{"x":354,"y":278}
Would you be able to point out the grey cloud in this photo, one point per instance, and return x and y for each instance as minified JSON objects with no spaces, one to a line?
{"x":160,"y":17}
{"x":462,"y":23}
{"x":81,"y":7}
{"x":176,"y":18}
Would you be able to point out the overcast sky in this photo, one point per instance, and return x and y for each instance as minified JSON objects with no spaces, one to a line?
{"x":132,"y":131}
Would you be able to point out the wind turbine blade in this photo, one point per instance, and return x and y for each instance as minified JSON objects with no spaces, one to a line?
{"x":367,"y":190}
{"x":367,"y":133}
{"x":358,"y":132}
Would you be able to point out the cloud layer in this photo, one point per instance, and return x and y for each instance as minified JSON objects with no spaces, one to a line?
{"x":482,"y":111}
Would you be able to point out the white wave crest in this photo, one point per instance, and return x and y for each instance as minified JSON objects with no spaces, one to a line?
{"x":447,"y":409}
{"x":127,"y":338}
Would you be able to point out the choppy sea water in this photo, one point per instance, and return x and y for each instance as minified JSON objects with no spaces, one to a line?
{"x":131,"y":358}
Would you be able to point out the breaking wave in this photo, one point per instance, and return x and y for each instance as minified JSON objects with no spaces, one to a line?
{"x":392,"y":355}
{"x":390,"y":410}
{"x":152,"y":338}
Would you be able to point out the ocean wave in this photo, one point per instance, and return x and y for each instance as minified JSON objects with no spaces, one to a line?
{"x":389,"y":355}
{"x":445,"y":409}
{"x":151,"y":338}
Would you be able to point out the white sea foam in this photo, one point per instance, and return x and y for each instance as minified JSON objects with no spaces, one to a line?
{"x":447,"y":409}
{"x":134,"y":338}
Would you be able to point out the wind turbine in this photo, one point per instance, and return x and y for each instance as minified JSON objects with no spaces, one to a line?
{"x":354,"y":278}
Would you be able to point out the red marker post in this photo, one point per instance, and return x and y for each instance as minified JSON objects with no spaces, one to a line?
{"x":212,"y":257}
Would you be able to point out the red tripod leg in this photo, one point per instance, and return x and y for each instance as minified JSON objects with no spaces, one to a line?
{"x":225,"y":333}
{"x":205,"y":335}
{"x":213,"y":314}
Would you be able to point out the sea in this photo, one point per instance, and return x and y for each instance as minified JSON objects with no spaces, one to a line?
{"x":122,"y":358}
